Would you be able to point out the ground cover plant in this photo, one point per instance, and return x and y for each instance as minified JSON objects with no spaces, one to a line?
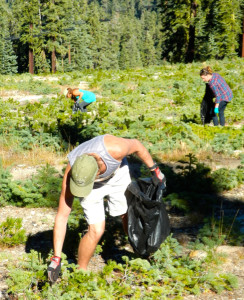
{"x":11,"y":232}
{"x":169,"y":273}
{"x":161,"y":107}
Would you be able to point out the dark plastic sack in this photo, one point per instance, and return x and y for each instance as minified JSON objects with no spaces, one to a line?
{"x":148,"y":221}
{"x":207,"y":106}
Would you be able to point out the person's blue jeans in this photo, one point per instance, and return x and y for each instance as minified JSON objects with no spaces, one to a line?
{"x":222,"y":106}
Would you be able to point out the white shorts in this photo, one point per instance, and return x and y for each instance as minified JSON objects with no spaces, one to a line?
{"x":114,"y":190}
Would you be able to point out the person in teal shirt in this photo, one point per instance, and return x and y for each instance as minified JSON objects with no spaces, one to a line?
{"x":81,"y":97}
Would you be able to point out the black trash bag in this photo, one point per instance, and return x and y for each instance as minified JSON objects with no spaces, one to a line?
{"x":207,"y":106}
{"x":148,"y":221}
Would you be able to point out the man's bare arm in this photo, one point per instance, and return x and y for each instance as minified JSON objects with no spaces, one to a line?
{"x":64,"y":209}
{"x":137,"y":148}
{"x":121,"y":147}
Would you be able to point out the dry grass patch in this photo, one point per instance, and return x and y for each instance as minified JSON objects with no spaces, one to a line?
{"x":35,"y":157}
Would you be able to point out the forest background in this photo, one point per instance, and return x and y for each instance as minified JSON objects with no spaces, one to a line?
{"x":64,"y":35}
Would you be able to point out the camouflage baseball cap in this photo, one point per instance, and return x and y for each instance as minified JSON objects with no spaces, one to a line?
{"x":83,"y":174}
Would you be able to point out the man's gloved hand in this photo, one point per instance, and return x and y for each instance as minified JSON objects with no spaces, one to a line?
{"x":158,"y":177}
{"x":216,"y":110}
{"x":54,"y":268}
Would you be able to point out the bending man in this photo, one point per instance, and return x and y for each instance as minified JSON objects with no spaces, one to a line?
{"x":96,"y":168}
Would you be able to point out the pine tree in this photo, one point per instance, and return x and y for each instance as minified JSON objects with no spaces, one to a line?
{"x":79,"y":39}
{"x":148,"y":51}
{"x":175,"y":18}
{"x":98,"y":33}
{"x":190,"y":53}
{"x":56,"y":21}
{"x":130,"y":39}
{"x":217,"y":28}
{"x":111,"y":33}
{"x":114,"y":36}
{"x":28,"y":26}
{"x":228,"y":26}
{"x":8,"y":63}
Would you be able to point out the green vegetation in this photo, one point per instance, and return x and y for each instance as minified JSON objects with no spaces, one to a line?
{"x":169,"y":273}
{"x":216,"y":232}
{"x":11,"y":233}
{"x":65,"y":35}
{"x":160,"y":106}
{"x":42,"y":190}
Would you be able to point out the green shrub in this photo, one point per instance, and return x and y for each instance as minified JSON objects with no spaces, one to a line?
{"x":42,"y":190}
{"x":11,"y":233}
{"x":167,"y":274}
{"x":216,"y":232}
{"x":5,"y":190}
{"x":227,"y":179}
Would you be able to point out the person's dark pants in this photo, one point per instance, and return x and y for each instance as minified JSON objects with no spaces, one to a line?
{"x":83,"y":105}
{"x":80,"y":106}
{"x":222,"y":106}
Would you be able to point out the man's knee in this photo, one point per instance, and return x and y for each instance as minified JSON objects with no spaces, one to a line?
{"x":96,"y":230}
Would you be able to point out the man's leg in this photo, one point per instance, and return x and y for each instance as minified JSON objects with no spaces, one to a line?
{"x":88,"y":243}
{"x":125,"y":222}
{"x":117,"y":202}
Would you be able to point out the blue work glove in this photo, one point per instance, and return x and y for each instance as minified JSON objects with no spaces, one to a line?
{"x":216,"y":110}
{"x":158,"y":177}
{"x":54,"y":268}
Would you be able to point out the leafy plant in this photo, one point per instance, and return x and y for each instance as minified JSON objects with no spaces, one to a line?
{"x":227,"y":179}
{"x":168,"y":274}
{"x":42,"y":190}
{"x":219,"y":231}
{"x":11,"y":233}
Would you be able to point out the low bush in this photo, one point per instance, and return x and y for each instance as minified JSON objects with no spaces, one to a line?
{"x":42,"y":189}
{"x":11,"y":232}
{"x":167,"y":274}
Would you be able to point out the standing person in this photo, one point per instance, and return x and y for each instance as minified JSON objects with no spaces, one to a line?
{"x":82,"y":98}
{"x":221,"y":91}
{"x":96,"y":168}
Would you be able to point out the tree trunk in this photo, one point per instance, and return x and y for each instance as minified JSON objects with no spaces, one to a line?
{"x":242,"y":52}
{"x":53,"y":61}
{"x":191,"y":44}
{"x":69,"y":55}
{"x":31,"y":61}
{"x":31,"y":55}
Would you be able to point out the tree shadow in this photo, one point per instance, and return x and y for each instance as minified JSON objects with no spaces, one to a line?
{"x":193,"y":197}
{"x":193,"y":193}
{"x":80,"y":128}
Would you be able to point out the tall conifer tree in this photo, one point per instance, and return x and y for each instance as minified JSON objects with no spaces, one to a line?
{"x":28,"y":26}
{"x":175,"y":28}
{"x":148,"y":51}
{"x":228,"y":21}
{"x":8,"y":63}
{"x":130,"y":38}
{"x":79,"y":38}
{"x":56,"y":21}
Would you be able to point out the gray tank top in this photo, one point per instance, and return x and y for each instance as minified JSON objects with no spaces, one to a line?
{"x":96,"y":145}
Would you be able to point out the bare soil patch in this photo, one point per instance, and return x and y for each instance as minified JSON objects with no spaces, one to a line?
{"x":24,"y":96}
